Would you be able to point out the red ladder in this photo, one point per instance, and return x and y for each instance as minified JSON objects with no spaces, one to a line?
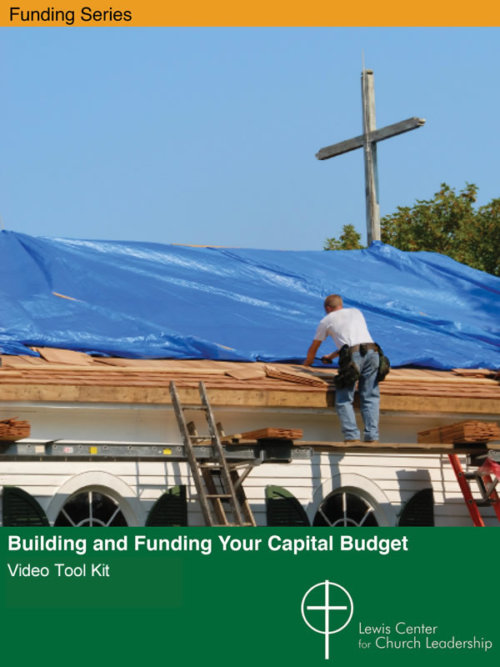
{"x":487,"y":487}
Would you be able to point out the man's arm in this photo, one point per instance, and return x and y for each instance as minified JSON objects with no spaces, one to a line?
{"x":311,"y":352}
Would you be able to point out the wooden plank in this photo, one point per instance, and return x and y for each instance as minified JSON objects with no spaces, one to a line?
{"x":61,"y":356}
{"x":435,"y":404}
{"x":155,"y":366}
{"x":98,"y":375}
{"x":294,"y":376}
{"x":474,"y":372}
{"x":24,"y":360}
{"x":236,"y":393}
{"x":247,"y":374}
{"x":440,"y":379}
{"x":401,"y":382}
{"x":252,"y":437}
{"x":393,"y":447}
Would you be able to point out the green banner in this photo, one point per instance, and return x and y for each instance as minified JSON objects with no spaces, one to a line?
{"x":249,"y":596}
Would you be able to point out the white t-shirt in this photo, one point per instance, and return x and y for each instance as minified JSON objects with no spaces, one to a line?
{"x":346,"y":326}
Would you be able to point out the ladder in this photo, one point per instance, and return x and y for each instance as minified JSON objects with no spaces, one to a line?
{"x":218,"y":484}
{"x":486,"y":485}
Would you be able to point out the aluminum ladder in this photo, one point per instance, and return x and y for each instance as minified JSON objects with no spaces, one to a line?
{"x":218,"y":484}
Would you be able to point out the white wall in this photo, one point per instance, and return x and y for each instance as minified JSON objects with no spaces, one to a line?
{"x":387,"y":480}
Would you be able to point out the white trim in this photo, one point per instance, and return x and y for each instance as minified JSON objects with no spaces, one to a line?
{"x":362,"y":486}
{"x":104,"y":483}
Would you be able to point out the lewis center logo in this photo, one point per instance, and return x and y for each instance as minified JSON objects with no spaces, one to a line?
{"x":327,"y":608}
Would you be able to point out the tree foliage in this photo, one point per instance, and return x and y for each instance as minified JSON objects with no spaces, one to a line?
{"x":350,"y":239}
{"x":448,"y":223}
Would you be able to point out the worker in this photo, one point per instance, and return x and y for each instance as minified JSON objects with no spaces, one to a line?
{"x":358,"y":360}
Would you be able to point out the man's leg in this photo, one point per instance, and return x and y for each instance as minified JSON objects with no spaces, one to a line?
{"x":369,"y":394}
{"x":343,"y":405}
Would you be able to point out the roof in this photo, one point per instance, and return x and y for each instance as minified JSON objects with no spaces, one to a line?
{"x":145,"y":300}
{"x":64,"y":376}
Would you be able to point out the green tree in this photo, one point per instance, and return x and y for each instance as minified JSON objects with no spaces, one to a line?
{"x":485,"y":239}
{"x":349,"y":240}
{"x":450,"y":224}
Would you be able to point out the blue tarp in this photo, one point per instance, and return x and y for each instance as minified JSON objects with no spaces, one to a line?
{"x":149,"y":300}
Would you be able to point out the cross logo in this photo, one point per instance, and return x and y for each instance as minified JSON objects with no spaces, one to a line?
{"x":336,"y":606}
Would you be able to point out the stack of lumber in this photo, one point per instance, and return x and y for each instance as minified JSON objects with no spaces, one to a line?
{"x":426,"y":383}
{"x":268,"y":433}
{"x":14,"y":429}
{"x":461,"y":432}
{"x":294,"y":376}
{"x":246,"y":383}
{"x":272,"y":433}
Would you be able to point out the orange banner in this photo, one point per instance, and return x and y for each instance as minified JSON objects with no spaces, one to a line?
{"x":136,"y":13}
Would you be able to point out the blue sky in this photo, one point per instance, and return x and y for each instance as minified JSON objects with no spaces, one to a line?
{"x":208,"y":135}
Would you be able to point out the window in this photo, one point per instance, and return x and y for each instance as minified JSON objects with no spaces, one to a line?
{"x":170,"y":509}
{"x":20,"y":509}
{"x":343,"y":509}
{"x":90,"y":509}
{"x":419,"y":510}
{"x":283,"y":508}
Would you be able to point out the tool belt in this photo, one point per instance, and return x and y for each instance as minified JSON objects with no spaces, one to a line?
{"x":384,"y":365}
{"x":363,"y":348}
{"x":349,"y":373}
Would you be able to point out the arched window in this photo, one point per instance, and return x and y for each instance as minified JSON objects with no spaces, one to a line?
{"x":283,"y":508}
{"x":418,"y":510}
{"x":342,"y":509}
{"x":20,"y":509}
{"x":90,"y":509}
{"x":170,"y":509}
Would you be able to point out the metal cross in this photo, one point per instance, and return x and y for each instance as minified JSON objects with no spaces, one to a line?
{"x":368,"y":141}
